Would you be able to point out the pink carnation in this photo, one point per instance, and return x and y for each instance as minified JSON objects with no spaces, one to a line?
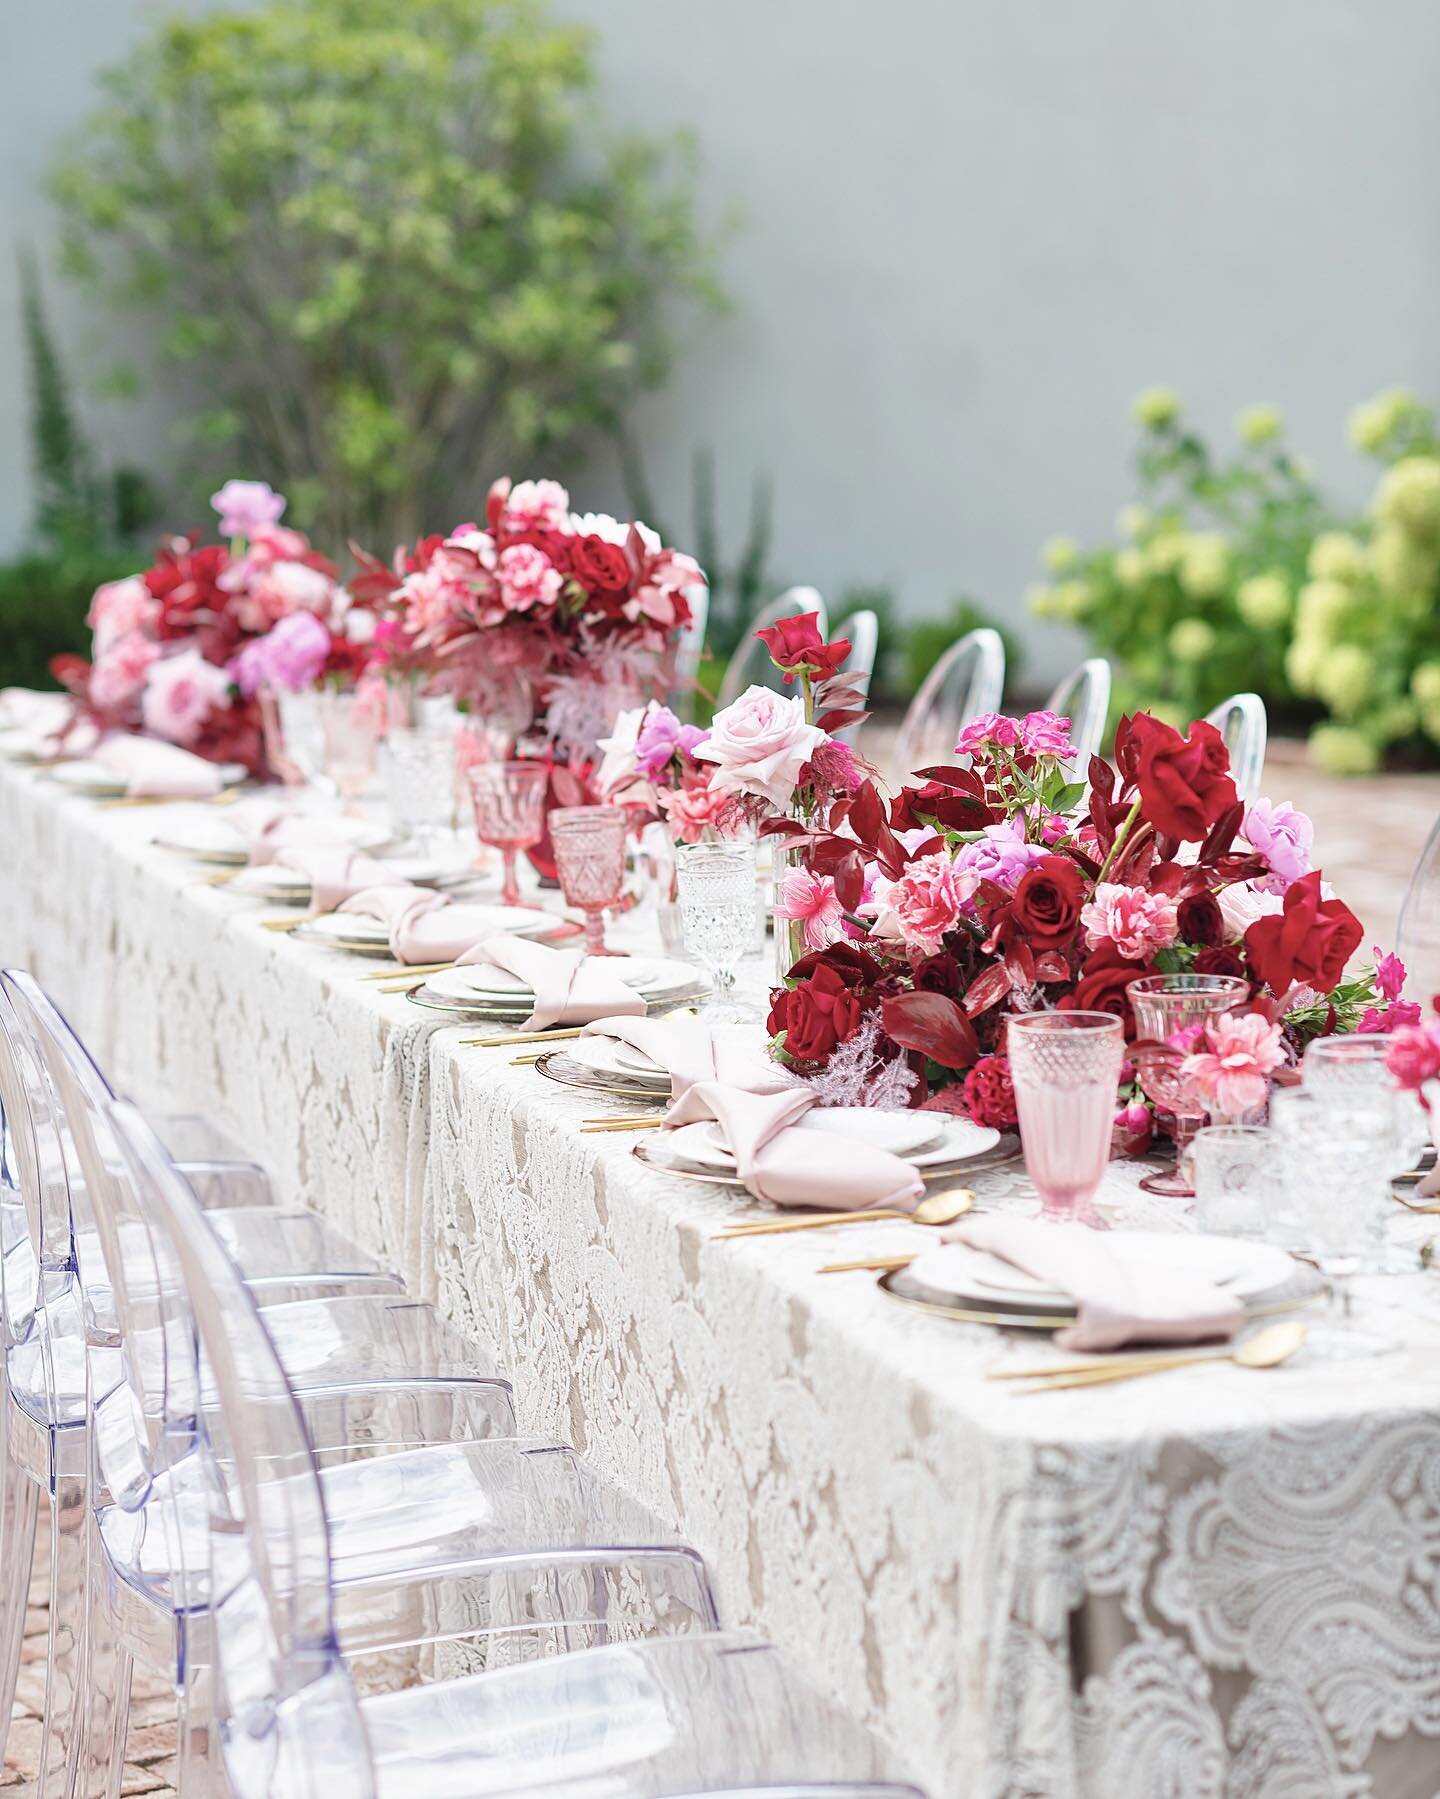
{"x":1389,"y":974}
{"x":811,"y":900}
{"x":118,"y":676}
{"x":986,"y":729}
{"x":121,"y":609}
{"x":1414,"y":1056}
{"x":528,"y":578}
{"x":925,"y":903}
{"x":693,"y":808}
{"x":180,"y":694}
{"x":1137,"y":922}
{"x":1376,"y":1021}
{"x":536,"y":505}
{"x":1046,"y":734}
{"x":1229,"y":1075}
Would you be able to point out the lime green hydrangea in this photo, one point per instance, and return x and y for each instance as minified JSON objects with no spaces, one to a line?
{"x":1372,"y":423}
{"x":1402,"y":563}
{"x":1191,"y":640}
{"x":1040,"y":599}
{"x":1205,"y":566}
{"x":1342,"y":750}
{"x":1131,"y":521}
{"x":1059,"y":554}
{"x":1430,"y":722}
{"x":1072,"y":599}
{"x":1397,"y":719}
{"x":1321,"y":608}
{"x":1165,"y":552}
{"x":1263,"y":601}
{"x":1257,"y":425}
{"x":1409,"y":496}
{"x":1336,"y":556}
{"x":1346,"y":679}
{"x":1303,"y":660}
{"x":1425,"y":684}
{"x":1130,"y":567}
{"x":1156,"y":407}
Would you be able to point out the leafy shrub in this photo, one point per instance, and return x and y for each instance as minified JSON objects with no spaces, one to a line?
{"x":44,"y":597}
{"x":379,"y":239}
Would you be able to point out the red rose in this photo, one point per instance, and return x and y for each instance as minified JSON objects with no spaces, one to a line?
{"x":1310,"y":941}
{"x":1200,"y":919}
{"x":795,"y":644}
{"x":1104,"y":977}
{"x":1048,"y":901}
{"x":1185,"y":783}
{"x":1220,"y":958}
{"x":816,"y":1015}
{"x":600,"y":567}
{"x":990,"y":1093}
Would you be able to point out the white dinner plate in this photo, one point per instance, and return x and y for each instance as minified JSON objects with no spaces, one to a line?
{"x":947,"y":1141}
{"x":346,"y":930}
{"x":901,"y":1133}
{"x":647,"y":975}
{"x":634,"y":1061}
{"x":968,"y":1275}
{"x":210,"y":837}
{"x":602,"y":1054}
{"x":99,"y":782}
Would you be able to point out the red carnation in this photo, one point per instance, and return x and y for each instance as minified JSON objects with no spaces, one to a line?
{"x":795,"y":644}
{"x":1185,"y":783}
{"x":1310,"y":941}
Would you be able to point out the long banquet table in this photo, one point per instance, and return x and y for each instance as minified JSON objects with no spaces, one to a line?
{"x":1211,"y":1583}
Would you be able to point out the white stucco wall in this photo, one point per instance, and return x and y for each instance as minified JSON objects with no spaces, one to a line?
{"x":972,"y":230}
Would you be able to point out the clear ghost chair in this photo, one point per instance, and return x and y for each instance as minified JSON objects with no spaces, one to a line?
{"x":689,"y":654}
{"x":1417,"y":933}
{"x":751,"y":665}
{"x":502,"y":1549}
{"x":862,"y":631}
{"x":1241,"y":721}
{"x":967,"y":680}
{"x":1084,"y":698}
{"x":262,"y":1548}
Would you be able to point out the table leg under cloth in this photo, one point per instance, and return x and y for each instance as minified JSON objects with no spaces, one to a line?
{"x":1218,"y":1585}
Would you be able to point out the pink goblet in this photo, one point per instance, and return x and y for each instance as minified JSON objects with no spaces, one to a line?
{"x":1164,"y":1004}
{"x":589,"y":845}
{"x":350,"y":727}
{"x":509,"y":812}
{"x":1066,"y":1070}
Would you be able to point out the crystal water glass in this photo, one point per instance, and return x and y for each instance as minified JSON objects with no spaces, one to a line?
{"x":716,"y":883}
{"x":1066,"y":1071}
{"x":589,"y":846}
{"x":1164,"y":1004}
{"x":302,"y":742}
{"x":509,"y":812}
{"x":1237,"y":1180}
{"x":1352,"y":1068}
{"x":350,"y":726}
{"x":420,"y":783}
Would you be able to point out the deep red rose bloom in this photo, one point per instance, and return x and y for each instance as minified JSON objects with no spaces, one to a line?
{"x":1220,"y":958}
{"x":1048,"y":902}
{"x":1185,"y":783}
{"x":1200,"y":920}
{"x":856,"y":967}
{"x":600,"y":567}
{"x":796,"y":643}
{"x":816,"y":1015}
{"x":1104,"y":976}
{"x":940,"y":974}
{"x":1310,"y":941}
{"x":990,"y":1093}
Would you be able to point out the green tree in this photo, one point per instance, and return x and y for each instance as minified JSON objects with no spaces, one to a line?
{"x":390,"y":244}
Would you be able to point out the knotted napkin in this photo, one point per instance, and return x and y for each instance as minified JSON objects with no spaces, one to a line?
{"x":154,"y":770}
{"x":335,"y":872}
{"x":424,"y":926}
{"x":569,"y":986}
{"x":690,"y":1050}
{"x":41,"y":714}
{"x":269,"y":830}
{"x":1119,"y":1298}
{"x":797,"y":1168}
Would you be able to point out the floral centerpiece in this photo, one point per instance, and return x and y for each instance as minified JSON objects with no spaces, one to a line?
{"x":549,"y":620}
{"x":176,"y":650}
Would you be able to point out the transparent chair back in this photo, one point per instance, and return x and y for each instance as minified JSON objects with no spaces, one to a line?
{"x":967,"y":680}
{"x":751,"y":665}
{"x":1241,"y":721}
{"x":1084,"y":698}
{"x":689,"y":654}
{"x":1417,"y":934}
{"x":862,"y":631}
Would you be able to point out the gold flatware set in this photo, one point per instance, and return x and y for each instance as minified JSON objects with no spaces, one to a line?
{"x":1267,"y":1348}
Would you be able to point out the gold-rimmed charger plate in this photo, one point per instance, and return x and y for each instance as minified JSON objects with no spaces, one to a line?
{"x":1006,"y":1150}
{"x":460,"y":1011}
{"x":584,"y":1079}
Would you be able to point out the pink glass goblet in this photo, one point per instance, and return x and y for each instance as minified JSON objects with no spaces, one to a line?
{"x":350,"y":728}
{"x":1066,"y":1070}
{"x":509,"y":812}
{"x":1164,"y":1004}
{"x":589,"y":845}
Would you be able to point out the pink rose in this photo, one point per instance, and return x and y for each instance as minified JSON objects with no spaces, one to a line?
{"x":1136,"y":922}
{"x":527,"y":578}
{"x":290,"y":657}
{"x":759,"y":745}
{"x":1228,"y":1072}
{"x":246,"y":507}
{"x":536,"y":505}
{"x":1046,"y":734}
{"x":119,"y":674}
{"x":988,"y":729}
{"x":180,"y":694}
{"x":811,"y":901}
{"x":286,"y":587}
{"x":121,"y":609}
{"x":925,"y":903}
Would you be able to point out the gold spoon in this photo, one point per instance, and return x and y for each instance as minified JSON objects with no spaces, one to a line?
{"x":1423,"y":1206}
{"x":936,"y":1208}
{"x":1267,"y":1348}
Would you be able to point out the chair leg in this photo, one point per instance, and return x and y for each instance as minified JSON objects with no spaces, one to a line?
{"x":105,"y":1715}
{"x":19,"y":1500}
{"x":65,"y":1695}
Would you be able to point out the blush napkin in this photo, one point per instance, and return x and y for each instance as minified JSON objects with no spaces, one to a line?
{"x":797,"y":1168}
{"x":423,"y":926}
{"x":689,"y":1050}
{"x":335,"y":872}
{"x":1117,"y":1301}
{"x":154,"y":770}
{"x":569,"y":986}
{"x":269,"y":830}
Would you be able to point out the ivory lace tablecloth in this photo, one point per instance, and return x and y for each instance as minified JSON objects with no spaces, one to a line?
{"x":1215,"y":1585}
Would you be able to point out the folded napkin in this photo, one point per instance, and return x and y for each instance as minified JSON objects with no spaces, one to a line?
{"x":151,"y":769}
{"x":335,"y":872}
{"x":1118,"y":1299}
{"x":689,"y":1050}
{"x":423,"y":925}
{"x":269,"y":830}
{"x":797,"y":1168}
{"x":569,"y":986}
{"x":42,"y":714}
